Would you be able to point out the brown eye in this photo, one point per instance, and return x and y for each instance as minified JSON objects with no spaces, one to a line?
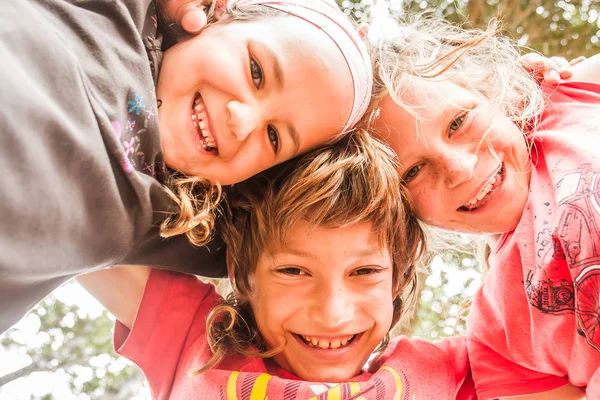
{"x":292,"y":271}
{"x":366,"y":271}
{"x":256,"y":72}
{"x":273,"y":138}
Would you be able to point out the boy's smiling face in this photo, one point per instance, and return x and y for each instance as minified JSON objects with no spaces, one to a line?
{"x":327,"y":295}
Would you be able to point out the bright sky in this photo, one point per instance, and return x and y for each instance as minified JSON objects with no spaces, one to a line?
{"x":41,"y":383}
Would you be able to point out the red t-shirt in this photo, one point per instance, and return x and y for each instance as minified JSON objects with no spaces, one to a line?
{"x":168,"y":339}
{"x":534,"y":324}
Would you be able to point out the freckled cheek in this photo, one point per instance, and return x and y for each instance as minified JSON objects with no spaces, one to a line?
{"x":424,"y":203}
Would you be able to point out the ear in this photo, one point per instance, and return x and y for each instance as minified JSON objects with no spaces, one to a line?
{"x":363,"y":30}
{"x":220,"y":7}
{"x":230,"y":269}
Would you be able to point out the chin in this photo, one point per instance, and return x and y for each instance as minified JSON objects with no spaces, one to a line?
{"x":328,"y":375}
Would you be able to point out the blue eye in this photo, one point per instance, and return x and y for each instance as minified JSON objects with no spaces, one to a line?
{"x":273,"y":138}
{"x":457,"y":123}
{"x":256,"y":72}
{"x":412,"y":173}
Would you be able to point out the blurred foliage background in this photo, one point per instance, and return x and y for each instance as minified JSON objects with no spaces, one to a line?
{"x":73,"y":349}
{"x":568,"y":28}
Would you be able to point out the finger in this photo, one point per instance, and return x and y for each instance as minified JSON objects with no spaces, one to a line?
{"x":562,"y":66}
{"x":577,"y":60}
{"x":552,"y":77}
{"x":531,"y":61}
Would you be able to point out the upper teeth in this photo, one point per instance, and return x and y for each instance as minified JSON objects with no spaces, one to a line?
{"x":199,"y":118}
{"x":484,"y":191}
{"x":327,"y":344}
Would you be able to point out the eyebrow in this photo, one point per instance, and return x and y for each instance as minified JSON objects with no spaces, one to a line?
{"x":367,"y":252}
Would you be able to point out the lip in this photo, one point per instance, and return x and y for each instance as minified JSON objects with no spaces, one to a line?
{"x":501,"y":173}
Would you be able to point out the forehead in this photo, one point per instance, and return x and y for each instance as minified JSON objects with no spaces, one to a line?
{"x":426,"y":105}
{"x":329,"y":243}
{"x":430,"y":96}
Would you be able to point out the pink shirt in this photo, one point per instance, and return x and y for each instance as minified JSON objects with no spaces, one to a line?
{"x":168,"y":339}
{"x":534,"y":324}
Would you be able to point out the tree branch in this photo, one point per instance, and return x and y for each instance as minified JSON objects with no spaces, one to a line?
{"x":11,"y":376}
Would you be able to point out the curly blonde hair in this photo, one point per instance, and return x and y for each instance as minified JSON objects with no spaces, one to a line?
{"x":479,"y":60}
{"x":197,"y":198}
{"x":352,"y":181}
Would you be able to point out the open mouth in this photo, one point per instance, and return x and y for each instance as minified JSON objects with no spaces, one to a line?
{"x":327,"y":344}
{"x":486,"y":192}
{"x":200,"y":121}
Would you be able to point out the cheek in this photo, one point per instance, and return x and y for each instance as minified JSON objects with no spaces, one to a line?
{"x":269,"y":314}
{"x":423,"y":197}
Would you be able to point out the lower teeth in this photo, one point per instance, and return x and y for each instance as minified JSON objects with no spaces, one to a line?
{"x":316,"y":346}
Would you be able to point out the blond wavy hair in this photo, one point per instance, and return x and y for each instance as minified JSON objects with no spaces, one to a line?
{"x":354,"y":180}
{"x":196,"y":198}
{"x":480,"y":60}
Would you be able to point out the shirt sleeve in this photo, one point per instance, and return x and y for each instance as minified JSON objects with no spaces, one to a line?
{"x":178,"y":254}
{"x":496,"y":376}
{"x":456,"y":350}
{"x":171,"y":316}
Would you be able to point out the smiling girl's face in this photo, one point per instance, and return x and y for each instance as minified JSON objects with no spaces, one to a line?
{"x":244,"y":96}
{"x":464,"y":162}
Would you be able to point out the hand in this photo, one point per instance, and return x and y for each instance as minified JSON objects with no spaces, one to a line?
{"x":549,"y":70}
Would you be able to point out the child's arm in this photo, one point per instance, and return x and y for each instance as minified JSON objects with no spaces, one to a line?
{"x":567,"y":392}
{"x":588,"y":70}
{"x":118,"y":289}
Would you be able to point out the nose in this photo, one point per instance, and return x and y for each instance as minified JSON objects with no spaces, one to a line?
{"x":458,"y":167}
{"x":333,"y":306}
{"x":242,"y":119}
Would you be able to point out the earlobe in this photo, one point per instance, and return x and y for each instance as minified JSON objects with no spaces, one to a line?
{"x":230,"y":270}
{"x":363,"y":30}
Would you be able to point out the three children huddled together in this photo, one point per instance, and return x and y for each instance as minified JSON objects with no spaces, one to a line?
{"x":438,"y":126}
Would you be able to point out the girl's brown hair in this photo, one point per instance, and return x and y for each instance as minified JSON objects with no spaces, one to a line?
{"x":197,"y":198}
{"x":354,"y":180}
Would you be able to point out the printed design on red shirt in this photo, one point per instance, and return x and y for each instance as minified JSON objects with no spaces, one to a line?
{"x":386,"y":384}
{"x":567,"y":277}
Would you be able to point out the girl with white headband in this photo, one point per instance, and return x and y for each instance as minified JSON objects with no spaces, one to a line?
{"x":85,"y":156}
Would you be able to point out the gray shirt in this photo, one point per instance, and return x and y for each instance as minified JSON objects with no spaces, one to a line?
{"x":80,"y":155}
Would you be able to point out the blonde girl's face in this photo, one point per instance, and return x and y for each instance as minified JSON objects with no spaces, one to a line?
{"x":464,"y":162}
{"x":326,"y":296}
{"x":243,"y":96}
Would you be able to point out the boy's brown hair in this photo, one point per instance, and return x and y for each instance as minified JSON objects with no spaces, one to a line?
{"x":354,"y":180}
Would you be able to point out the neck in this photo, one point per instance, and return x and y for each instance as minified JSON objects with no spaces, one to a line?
{"x":492,"y":240}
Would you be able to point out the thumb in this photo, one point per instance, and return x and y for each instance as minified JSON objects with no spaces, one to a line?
{"x":192,"y":17}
